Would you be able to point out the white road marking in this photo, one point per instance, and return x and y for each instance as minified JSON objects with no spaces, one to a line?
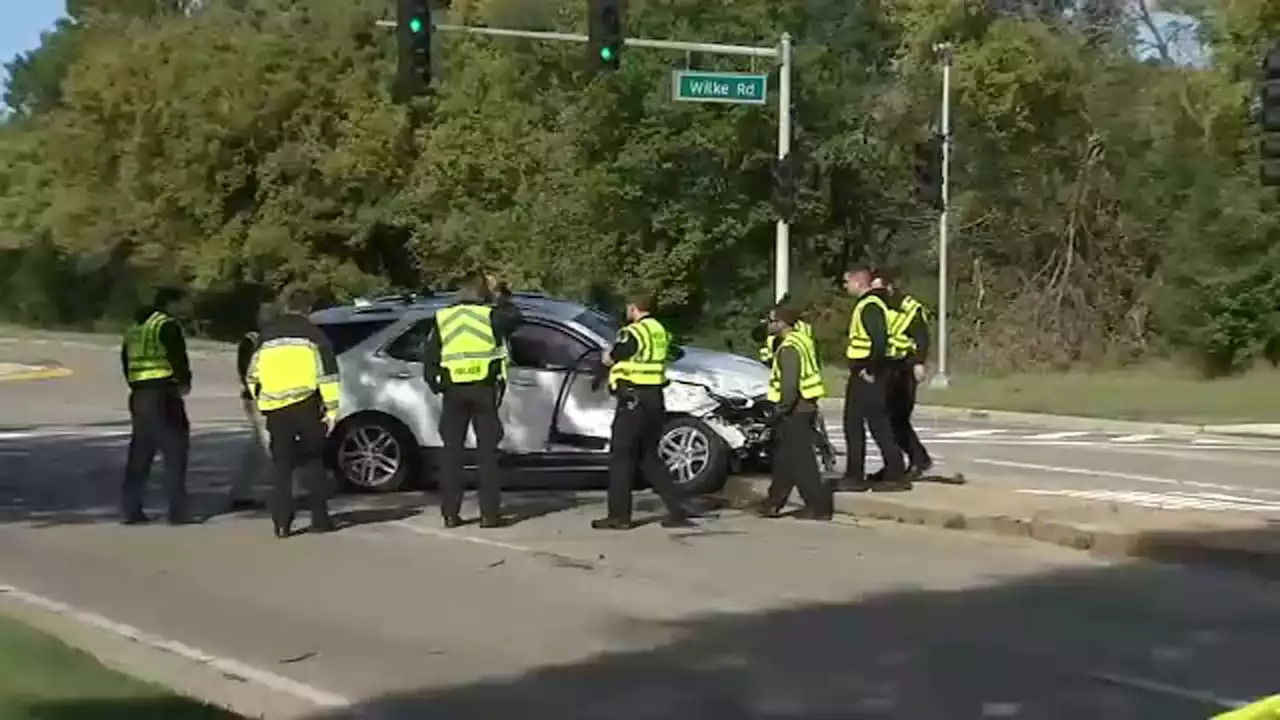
{"x":971,"y":433}
{"x":118,"y":431}
{"x":1160,"y":688}
{"x":1134,"y":438}
{"x":463,"y":537}
{"x":1168,"y":501}
{"x":228,"y":666}
{"x":1062,"y":435}
{"x":1122,"y":476}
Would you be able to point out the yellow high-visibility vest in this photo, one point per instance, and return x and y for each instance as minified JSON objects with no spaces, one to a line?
{"x":770,"y":343}
{"x":285,"y":371}
{"x":468,"y":346}
{"x":811,"y":385}
{"x":1267,"y":708}
{"x":899,"y":321}
{"x":859,"y":340}
{"x":648,"y":366}
{"x":147,"y":359}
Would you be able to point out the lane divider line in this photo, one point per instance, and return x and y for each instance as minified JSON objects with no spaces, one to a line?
{"x":1120,"y":476}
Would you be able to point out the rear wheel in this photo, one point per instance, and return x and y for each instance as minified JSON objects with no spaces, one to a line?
{"x":374,"y":453}
{"x":696,"y":455}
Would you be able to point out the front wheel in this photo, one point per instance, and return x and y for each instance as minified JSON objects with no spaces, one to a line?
{"x":696,"y":455}
{"x":374,"y":454}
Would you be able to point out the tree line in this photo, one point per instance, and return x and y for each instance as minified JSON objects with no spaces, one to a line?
{"x":1106,"y":206}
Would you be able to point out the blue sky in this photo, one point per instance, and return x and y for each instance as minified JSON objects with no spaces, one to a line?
{"x":24,"y":20}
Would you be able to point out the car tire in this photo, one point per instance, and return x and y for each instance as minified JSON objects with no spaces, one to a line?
{"x":696,"y":455}
{"x":374,"y":453}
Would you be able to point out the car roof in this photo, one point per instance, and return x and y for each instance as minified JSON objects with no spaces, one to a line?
{"x":394,"y":307}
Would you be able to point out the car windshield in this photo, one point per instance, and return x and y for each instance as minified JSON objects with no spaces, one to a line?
{"x":598,"y":323}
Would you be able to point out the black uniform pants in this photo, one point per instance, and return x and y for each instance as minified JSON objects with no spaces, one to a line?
{"x":902,"y":402}
{"x":159,"y":424}
{"x":794,"y":465}
{"x":866,"y":405}
{"x":297,"y":445}
{"x":637,"y":429}
{"x":467,"y":405}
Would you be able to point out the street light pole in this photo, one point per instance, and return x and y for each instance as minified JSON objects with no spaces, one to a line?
{"x":940,"y":378}
{"x":782,"y":238}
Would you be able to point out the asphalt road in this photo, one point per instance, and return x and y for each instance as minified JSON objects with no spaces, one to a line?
{"x":739,"y":618}
{"x":1224,"y":474}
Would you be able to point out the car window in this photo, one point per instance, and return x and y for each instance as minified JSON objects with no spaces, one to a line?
{"x":599,"y":323}
{"x":346,"y":335}
{"x":544,"y":347}
{"x":410,"y":345}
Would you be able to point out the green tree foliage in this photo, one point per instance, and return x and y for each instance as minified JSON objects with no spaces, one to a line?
{"x":1105,"y":207}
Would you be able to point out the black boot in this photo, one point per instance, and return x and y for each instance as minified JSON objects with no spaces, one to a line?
{"x":611,"y":523}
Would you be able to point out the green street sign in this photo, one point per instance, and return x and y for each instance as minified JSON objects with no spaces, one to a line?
{"x":719,"y":87}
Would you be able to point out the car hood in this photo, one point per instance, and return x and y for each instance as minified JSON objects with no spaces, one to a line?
{"x":725,"y":374}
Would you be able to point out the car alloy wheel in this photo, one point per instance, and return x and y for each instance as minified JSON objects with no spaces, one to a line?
{"x":370,"y":456}
{"x":686,"y":450}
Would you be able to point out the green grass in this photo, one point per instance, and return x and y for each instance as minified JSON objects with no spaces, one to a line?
{"x":1155,"y":393}
{"x":42,"y":678}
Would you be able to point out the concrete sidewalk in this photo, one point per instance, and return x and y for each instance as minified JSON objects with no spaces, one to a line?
{"x":1225,"y":539}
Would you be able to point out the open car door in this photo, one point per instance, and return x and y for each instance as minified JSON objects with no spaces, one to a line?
{"x":584,"y":409}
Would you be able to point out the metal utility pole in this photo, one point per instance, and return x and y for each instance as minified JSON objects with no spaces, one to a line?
{"x":940,"y":378}
{"x":782,"y":237}
{"x":690,"y":86}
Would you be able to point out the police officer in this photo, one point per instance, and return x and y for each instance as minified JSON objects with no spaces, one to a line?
{"x":909,"y":349}
{"x":795,"y":386}
{"x":637,"y":365}
{"x":293,"y":376}
{"x":255,"y":461}
{"x":866,"y":395}
{"x":465,"y":362}
{"x":154,"y":360}
{"x":769,"y":341}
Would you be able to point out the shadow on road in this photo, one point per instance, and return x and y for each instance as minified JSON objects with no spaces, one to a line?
{"x":75,"y":479}
{"x":1131,"y":642}
{"x":156,"y":708}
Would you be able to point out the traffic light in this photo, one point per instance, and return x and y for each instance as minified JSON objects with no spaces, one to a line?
{"x":929,"y":172}
{"x":604,"y":33}
{"x":784,"y":187}
{"x":1269,"y":118}
{"x":413,"y":36}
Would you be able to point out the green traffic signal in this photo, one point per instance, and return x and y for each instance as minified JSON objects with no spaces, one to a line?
{"x":606,"y":54}
{"x":415,"y":25}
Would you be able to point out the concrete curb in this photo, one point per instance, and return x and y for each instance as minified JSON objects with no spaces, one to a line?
{"x":1077,"y":422}
{"x":1250,"y":553}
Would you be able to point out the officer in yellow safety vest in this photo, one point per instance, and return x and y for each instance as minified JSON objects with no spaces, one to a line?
{"x":293,"y":378}
{"x":908,"y":351}
{"x":465,"y":362}
{"x":153,"y":358}
{"x":770,"y":340}
{"x":866,"y":395}
{"x":795,"y":386}
{"x":637,"y":365}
